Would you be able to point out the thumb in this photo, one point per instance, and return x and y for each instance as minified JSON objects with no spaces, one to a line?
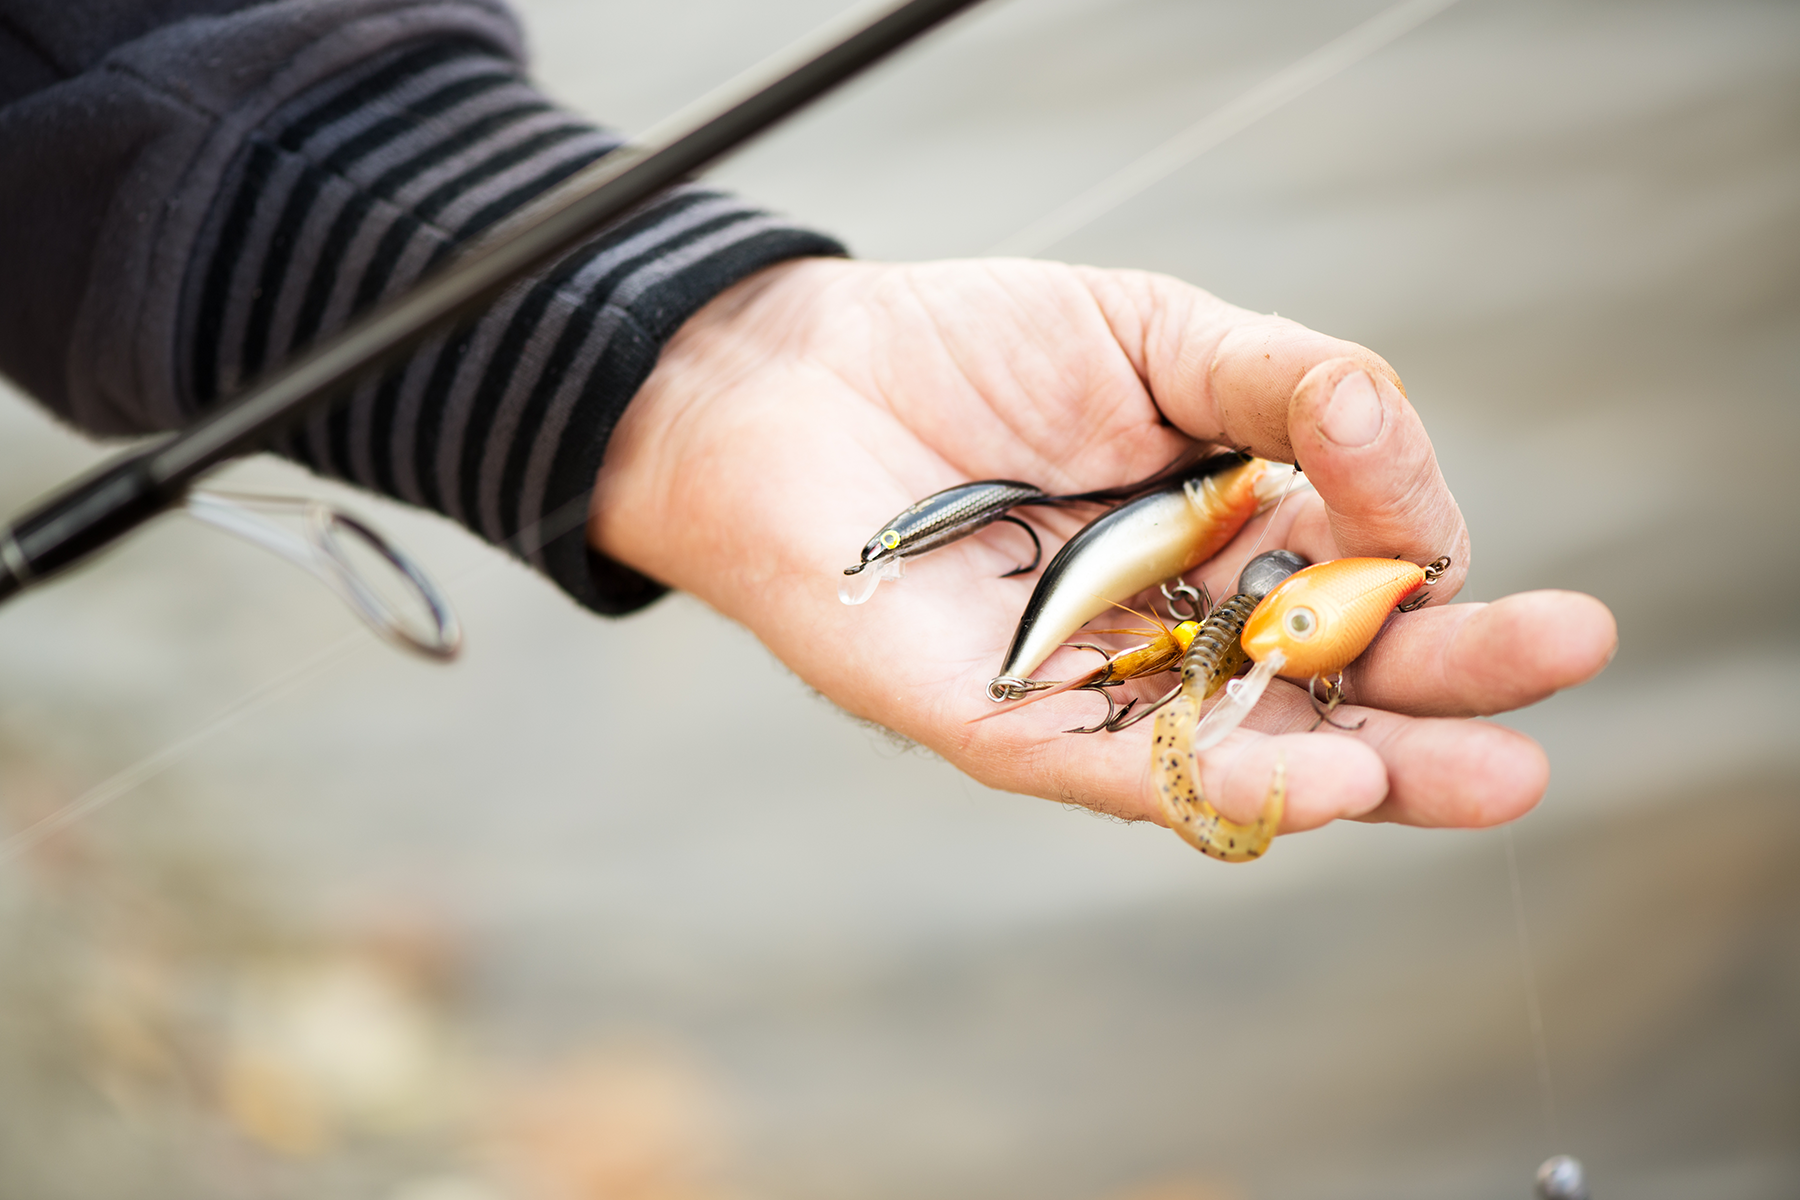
{"x":1360,"y":441}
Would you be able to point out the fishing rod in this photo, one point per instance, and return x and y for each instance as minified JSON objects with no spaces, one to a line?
{"x":85,"y":516}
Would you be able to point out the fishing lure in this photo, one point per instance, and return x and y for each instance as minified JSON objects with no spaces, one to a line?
{"x":1311,"y":626}
{"x":1159,"y":536}
{"x":1214,"y":656}
{"x":956,"y":512}
{"x":1163,"y":652}
{"x":937,"y":520}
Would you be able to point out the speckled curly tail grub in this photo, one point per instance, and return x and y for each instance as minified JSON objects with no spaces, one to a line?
{"x":1185,"y":806}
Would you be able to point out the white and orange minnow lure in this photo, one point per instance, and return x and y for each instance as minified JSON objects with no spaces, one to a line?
{"x":1157,"y":537}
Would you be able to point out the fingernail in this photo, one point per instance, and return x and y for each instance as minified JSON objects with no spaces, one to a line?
{"x":1353,"y":415}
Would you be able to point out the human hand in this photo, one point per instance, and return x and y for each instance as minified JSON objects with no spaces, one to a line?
{"x":811,"y":402}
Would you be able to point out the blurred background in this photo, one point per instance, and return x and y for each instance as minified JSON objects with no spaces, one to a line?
{"x":367,"y":927}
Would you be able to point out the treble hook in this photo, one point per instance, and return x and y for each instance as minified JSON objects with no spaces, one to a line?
{"x":1161,"y":701}
{"x":1113,"y":710}
{"x":323,"y":553}
{"x":1334,"y":696}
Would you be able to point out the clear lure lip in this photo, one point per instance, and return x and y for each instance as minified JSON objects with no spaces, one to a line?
{"x":1241,"y":696}
{"x":859,"y":582}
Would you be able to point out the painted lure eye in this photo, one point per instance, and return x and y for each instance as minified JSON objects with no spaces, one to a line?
{"x":890,"y":538}
{"x":1301,"y":623}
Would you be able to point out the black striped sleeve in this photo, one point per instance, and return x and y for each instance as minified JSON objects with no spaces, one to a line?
{"x":350,"y":191}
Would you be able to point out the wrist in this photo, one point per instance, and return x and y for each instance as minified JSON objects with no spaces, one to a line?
{"x":646,"y":493}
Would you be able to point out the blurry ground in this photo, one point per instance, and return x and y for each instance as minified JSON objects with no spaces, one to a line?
{"x":409,"y":933}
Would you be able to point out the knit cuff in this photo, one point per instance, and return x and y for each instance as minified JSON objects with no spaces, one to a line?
{"x":352,"y":190}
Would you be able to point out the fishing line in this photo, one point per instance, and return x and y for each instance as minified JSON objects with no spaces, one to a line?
{"x":1273,"y":93}
{"x":528,"y":540}
{"x":100,"y":795}
{"x":1270,"y":523}
{"x":1534,"y":1010}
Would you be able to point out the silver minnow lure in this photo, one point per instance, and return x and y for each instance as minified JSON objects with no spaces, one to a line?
{"x":937,"y":520}
{"x":1157,"y":537}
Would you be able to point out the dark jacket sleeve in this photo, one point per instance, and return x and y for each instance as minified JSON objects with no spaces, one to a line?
{"x":192,"y":190}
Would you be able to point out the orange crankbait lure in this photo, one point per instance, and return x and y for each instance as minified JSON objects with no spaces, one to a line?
{"x":1312,"y":625}
{"x":1320,"y":618}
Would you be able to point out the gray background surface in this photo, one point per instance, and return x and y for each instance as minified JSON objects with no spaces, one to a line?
{"x":1574,"y":229}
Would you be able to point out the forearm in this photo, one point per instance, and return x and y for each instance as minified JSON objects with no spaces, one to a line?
{"x":269,"y":173}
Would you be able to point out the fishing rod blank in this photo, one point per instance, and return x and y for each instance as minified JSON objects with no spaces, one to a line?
{"x":90,"y":513}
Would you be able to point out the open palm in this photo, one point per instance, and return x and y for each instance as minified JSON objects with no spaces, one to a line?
{"x":804,"y":407}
